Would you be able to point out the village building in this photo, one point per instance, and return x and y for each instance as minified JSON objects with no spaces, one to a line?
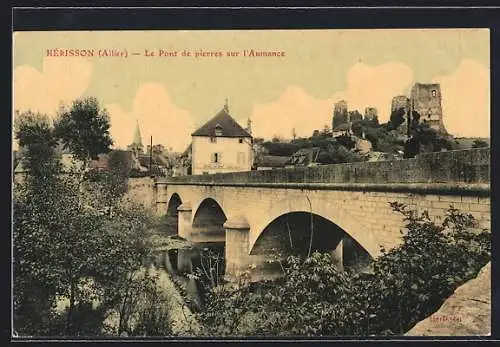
{"x":221,"y":145}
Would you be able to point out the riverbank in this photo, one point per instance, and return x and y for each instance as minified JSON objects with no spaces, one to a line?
{"x":467,"y":312}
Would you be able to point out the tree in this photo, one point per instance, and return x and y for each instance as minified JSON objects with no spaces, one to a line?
{"x":277,"y":138}
{"x":111,"y":183}
{"x":84,"y":129}
{"x":326,"y":130}
{"x":64,"y":245}
{"x":280,"y":148}
{"x":478,"y":143}
{"x":314,"y":298}
{"x":336,"y":154}
{"x":346,"y":141}
{"x":259,"y":152}
{"x":426,"y":139}
{"x":397,"y":118}
{"x":36,"y":137}
{"x":355,"y":116}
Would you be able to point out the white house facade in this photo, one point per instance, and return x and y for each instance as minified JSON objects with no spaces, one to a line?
{"x":221,"y":145}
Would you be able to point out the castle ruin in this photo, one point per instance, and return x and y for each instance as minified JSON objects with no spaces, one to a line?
{"x":426,"y":101}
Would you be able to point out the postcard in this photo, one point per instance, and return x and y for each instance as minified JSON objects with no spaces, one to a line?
{"x":251,"y":183}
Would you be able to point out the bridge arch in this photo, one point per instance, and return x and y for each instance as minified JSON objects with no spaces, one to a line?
{"x":208,"y":212}
{"x":173,"y":203}
{"x":172,"y":214}
{"x":323,"y":209}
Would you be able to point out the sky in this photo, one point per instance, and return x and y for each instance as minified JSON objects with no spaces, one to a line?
{"x":171,"y":96}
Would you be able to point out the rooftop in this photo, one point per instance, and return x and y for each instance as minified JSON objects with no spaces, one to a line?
{"x":222,"y":120}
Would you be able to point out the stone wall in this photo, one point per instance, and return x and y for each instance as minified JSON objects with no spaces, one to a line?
{"x":462,"y":166}
{"x":141,"y":190}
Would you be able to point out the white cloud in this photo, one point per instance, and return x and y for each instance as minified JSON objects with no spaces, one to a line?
{"x":375,"y":86}
{"x":466,"y":99}
{"x":366,"y":86}
{"x":294,"y":109}
{"x":61,"y":80}
{"x":157,"y":115}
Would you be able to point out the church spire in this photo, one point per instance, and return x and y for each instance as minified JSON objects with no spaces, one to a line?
{"x":249,"y":126}
{"x":226,"y":105}
{"x":137,"y":135}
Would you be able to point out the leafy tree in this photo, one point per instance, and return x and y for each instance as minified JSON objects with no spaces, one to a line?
{"x":326,"y":131}
{"x":397,"y":118}
{"x":355,"y":116}
{"x":280,"y":148}
{"x":64,"y":245}
{"x":478,"y":143}
{"x":336,"y":154}
{"x":35,"y":135}
{"x":415,"y":120}
{"x":426,"y":139}
{"x":411,"y":148}
{"x":111,"y":183}
{"x":84,"y":129}
{"x":346,"y":141}
{"x":313,"y":298}
{"x":258,"y":152}
{"x":277,"y":138}
{"x":374,"y":122}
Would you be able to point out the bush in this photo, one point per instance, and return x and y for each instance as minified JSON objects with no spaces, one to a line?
{"x":407,"y":284}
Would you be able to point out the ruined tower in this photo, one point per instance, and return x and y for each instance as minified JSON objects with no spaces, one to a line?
{"x":400,"y":101}
{"x":426,"y":101}
{"x":339,"y":113}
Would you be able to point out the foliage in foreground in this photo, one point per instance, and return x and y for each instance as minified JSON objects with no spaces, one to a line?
{"x":407,"y":284}
{"x":77,"y":241}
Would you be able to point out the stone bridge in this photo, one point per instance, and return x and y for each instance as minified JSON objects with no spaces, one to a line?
{"x":343,"y":209}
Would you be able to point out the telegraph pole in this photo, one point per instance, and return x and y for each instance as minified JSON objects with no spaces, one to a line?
{"x":151,"y":157}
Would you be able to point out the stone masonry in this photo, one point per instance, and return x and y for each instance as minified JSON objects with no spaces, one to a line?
{"x":355,"y":197}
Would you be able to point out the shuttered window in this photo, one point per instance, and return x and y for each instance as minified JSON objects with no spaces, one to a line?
{"x":216,"y":157}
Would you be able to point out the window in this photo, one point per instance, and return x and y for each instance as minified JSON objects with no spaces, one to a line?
{"x":216,"y":157}
{"x":433,"y":93}
{"x":213,"y":139}
{"x":218,"y":130}
{"x":240,"y":140}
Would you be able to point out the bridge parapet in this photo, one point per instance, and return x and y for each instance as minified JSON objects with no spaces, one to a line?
{"x":470,"y":166}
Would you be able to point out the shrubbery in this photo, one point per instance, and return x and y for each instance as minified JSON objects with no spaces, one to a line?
{"x":76,"y":240}
{"x":406,"y":284}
